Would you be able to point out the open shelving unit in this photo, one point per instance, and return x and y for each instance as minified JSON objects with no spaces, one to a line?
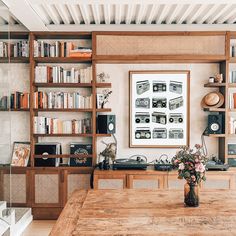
{"x":57,"y":182}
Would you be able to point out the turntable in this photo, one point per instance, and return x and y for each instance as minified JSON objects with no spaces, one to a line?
{"x":132,"y":163}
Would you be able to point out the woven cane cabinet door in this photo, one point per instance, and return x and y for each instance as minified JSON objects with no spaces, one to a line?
{"x":14,"y":186}
{"x":47,"y":188}
{"x":75,"y":180}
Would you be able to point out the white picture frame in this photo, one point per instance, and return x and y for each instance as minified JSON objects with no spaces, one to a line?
{"x":159,"y":109}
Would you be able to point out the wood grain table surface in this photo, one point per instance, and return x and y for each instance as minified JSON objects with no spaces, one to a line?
{"x":146,"y":212}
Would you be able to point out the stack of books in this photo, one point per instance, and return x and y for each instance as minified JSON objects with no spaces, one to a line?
{"x":232,"y":76}
{"x":18,"y":49}
{"x":46,"y":125}
{"x":52,"y":100}
{"x":19,"y":100}
{"x":57,"y":74}
{"x":60,"y":49}
{"x":81,"y":52}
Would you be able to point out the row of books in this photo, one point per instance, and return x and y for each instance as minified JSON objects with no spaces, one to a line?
{"x":232,"y":76}
{"x":60,"y":49}
{"x":18,"y":100}
{"x":18,"y":49}
{"x":232,"y":125}
{"x":57,"y":74}
{"x":59,"y":100}
{"x":232,"y":100}
{"x":46,"y":125}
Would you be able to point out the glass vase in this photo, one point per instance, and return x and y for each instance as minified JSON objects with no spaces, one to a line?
{"x":191,"y":195}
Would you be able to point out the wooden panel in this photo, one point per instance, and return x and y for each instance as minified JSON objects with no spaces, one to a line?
{"x":159,"y":45}
{"x":47,"y":188}
{"x":49,"y":213}
{"x":77,"y":181}
{"x":110,"y":184}
{"x":145,"y":181}
{"x":14,"y":188}
{"x":147,"y":212}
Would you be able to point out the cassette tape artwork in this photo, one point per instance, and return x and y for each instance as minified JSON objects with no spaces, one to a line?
{"x":142,"y":117}
{"x":175,"y":103}
{"x":159,"y":108}
{"x":159,"y":86}
{"x":176,"y":87}
{"x":142,"y":103}
{"x":159,"y":102}
{"x":143,"y":133}
{"x":142,"y":86}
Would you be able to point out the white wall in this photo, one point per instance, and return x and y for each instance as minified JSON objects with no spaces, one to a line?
{"x":119,"y":102}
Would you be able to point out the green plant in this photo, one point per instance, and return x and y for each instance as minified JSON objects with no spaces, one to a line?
{"x":191,"y":164}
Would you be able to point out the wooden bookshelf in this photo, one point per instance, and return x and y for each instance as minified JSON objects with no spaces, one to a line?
{"x":64,"y":156}
{"x":215,"y":109}
{"x":14,"y":60}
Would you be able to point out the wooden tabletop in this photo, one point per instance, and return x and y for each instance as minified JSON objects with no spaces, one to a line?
{"x":146,"y":212}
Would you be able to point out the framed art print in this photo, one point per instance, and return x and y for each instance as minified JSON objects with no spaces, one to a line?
{"x":20,"y":154}
{"x":159,"y":108}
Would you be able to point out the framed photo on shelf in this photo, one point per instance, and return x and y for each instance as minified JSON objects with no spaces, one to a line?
{"x":159,"y":108}
{"x":20,"y":154}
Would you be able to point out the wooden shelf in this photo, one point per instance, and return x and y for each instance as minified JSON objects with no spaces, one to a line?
{"x":63,"y":135}
{"x":231,"y":110}
{"x":159,"y":58}
{"x":232,"y":85}
{"x":64,"y":156}
{"x":14,"y":60}
{"x":232,"y":60}
{"x":63,"y":85}
{"x":104,"y":110}
{"x":232,"y":135}
{"x":214,"y":85}
{"x":103,"y":85}
{"x":23,"y":109}
{"x":231,"y":156}
{"x":64,"y":110}
{"x":103,"y":135}
{"x":62,"y":60}
{"x":216,"y":135}
{"x":215,"y":109}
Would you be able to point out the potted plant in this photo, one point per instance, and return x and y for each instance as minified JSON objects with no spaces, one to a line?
{"x":191,"y":166}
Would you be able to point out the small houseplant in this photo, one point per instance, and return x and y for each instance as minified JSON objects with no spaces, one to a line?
{"x":191,"y":167}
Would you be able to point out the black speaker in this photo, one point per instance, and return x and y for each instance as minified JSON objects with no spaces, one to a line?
{"x":106,"y":124}
{"x":216,"y":124}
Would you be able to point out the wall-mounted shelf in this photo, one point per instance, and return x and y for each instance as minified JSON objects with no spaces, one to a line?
{"x":14,"y":60}
{"x":64,"y":110}
{"x":215,"y":109}
{"x":214,"y":85}
{"x":63,"y":135}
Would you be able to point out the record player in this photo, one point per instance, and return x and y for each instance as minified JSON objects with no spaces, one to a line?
{"x":132,"y":163}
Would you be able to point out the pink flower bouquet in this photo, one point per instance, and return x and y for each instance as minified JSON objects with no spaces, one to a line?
{"x":191,"y":164}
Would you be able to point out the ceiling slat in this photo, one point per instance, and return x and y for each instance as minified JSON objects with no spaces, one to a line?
{"x":186,"y":11}
{"x":107,"y":13}
{"x":130,"y":9}
{"x":172,"y":14}
{"x":62,"y":11}
{"x":96,"y":14}
{"x":141,"y":13}
{"x":52,"y":14}
{"x":117,"y":14}
{"x":163,"y":15}
{"x":227,"y":15}
{"x":152,"y":14}
{"x":84,"y":13}
{"x":196,"y":14}
{"x":211,"y":11}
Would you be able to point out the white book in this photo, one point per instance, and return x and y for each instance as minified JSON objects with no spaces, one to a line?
{"x":36,"y":49}
{"x":35,"y":125}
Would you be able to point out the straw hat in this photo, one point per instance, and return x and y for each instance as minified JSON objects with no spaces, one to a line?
{"x":213,"y":99}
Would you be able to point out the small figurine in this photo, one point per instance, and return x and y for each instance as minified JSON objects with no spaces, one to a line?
{"x":106,"y":94}
{"x":218,"y":78}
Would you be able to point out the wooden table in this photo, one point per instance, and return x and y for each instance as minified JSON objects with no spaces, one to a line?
{"x":146,"y":212}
